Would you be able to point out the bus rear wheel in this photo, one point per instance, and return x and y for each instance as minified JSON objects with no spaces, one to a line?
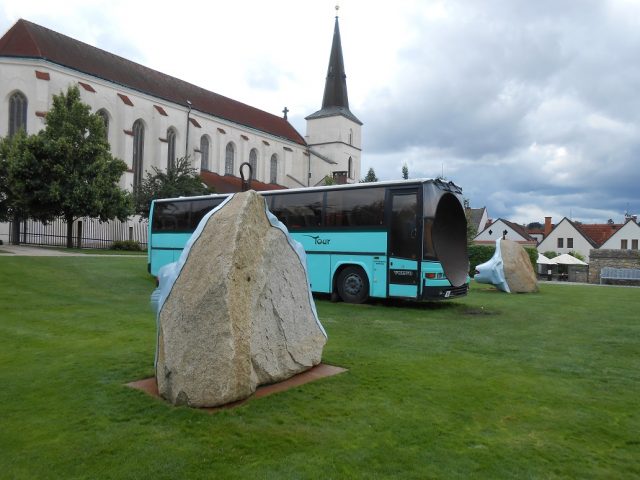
{"x":353,"y":285}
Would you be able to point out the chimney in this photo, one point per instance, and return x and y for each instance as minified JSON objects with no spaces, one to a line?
{"x":547,"y":226}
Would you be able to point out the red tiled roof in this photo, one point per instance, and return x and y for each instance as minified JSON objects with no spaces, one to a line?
{"x":231,"y":184}
{"x":29,"y":40}
{"x":598,"y":232}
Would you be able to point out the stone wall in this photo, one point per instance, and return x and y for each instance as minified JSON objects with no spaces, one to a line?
{"x":611,"y":258}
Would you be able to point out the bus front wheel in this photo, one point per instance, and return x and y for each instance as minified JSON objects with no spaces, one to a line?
{"x":353,"y":285}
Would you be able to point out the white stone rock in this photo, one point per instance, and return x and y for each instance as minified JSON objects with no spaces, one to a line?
{"x":239,"y":314}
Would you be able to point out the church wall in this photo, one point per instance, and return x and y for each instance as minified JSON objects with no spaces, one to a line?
{"x":20,"y":75}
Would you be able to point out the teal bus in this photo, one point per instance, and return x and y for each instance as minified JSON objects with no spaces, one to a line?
{"x":399,"y":239}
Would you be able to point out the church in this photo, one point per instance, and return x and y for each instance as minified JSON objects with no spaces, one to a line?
{"x":152,"y":119}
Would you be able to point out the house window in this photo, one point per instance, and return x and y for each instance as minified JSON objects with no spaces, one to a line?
{"x":561,"y":243}
{"x":273,"y":178}
{"x":569,"y":242}
{"x":102,"y":113}
{"x":624,"y":244}
{"x":204,"y":153}
{"x":17,"y":113}
{"x":229,"y":159}
{"x":253,"y":161}
{"x":634,"y":244}
{"x":171,"y":148}
{"x":138,"y":152}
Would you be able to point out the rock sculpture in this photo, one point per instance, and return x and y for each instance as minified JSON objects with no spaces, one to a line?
{"x":236,"y":310}
{"x":509,"y":269}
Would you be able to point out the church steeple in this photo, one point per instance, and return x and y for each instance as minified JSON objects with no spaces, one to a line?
{"x":335,"y":100}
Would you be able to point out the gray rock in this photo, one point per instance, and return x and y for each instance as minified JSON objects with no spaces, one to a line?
{"x":239,"y":314}
{"x":518,"y":270}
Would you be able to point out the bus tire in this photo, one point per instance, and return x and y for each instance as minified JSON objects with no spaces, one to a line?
{"x":353,"y":285}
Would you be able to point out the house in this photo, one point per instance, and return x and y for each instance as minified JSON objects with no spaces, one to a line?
{"x":569,"y":236}
{"x":152,"y":118}
{"x":477,"y":217}
{"x":624,"y":238}
{"x":502,"y":228}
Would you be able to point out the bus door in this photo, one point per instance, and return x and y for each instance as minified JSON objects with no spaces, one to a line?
{"x":404,"y":242}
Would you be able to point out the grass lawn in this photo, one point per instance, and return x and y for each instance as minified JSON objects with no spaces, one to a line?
{"x":494,"y":385}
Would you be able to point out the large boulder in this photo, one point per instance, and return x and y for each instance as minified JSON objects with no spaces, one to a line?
{"x":509,"y":269}
{"x":238,"y":312}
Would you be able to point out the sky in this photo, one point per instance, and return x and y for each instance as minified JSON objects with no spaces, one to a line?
{"x":532,"y":107}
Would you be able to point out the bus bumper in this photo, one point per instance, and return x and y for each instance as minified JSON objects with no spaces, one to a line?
{"x":444,"y":293}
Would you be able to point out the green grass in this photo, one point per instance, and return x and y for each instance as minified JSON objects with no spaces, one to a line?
{"x":543,"y":385}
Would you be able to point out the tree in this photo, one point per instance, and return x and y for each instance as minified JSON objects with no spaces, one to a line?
{"x":85,"y":176}
{"x":405,"y":171}
{"x":329,"y":180}
{"x":370,"y":176}
{"x":24,"y":181}
{"x":472,"y":231}
{"x":180,"y":179}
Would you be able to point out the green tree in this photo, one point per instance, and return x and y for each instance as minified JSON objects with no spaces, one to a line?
{"x":329,"y":180}
{"x":370,"y":176}
{"x":405,"y":171}
{"x":84,"y":176}
{"x":180,"y":179}
{"x":472,"y":231}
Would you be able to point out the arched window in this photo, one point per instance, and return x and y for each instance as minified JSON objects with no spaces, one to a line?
{"x":351,"y":136}
{"x":204,"y":153}
{"x":229,"y":159}
{"x":138,"y":152}
{"x":102,"y":113}
{"x":273,"y":177}
{"x":17,"y":113}
{"x":350,"y":167}
{"x":171,"y":147}
{"x":253,"y":161}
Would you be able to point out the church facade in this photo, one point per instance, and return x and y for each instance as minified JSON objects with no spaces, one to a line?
{"x":152,"y":118}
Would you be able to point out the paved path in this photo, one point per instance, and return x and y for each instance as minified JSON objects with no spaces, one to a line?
{"x":29,"y":251}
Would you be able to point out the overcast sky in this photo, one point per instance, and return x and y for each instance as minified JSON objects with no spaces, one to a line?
{"x":532,"y":106}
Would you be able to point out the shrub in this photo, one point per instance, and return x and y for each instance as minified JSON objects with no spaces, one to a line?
{"x":550,"y":254}
{"x":130,"y":245}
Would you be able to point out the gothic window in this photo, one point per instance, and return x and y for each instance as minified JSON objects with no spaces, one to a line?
{"x":102,"y":113}
{"x":273,"y":178}
{"x":138,"y":152}
{"x":229,"y":159}
{"x":253,"y":161}
{"x":350,"y":169}
{"x":204,"y":153}
{"x":17,"y":113}
{"x":171,"y":147}
{"x":351,"y":136}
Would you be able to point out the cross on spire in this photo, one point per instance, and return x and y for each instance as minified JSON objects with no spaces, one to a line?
{"x":285,"y":111}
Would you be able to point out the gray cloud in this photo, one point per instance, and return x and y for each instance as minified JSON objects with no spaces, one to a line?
{"x":530,"y":106}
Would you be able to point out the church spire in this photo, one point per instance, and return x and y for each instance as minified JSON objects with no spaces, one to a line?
{"x":335,"y":88}
{"x":335,"y":100}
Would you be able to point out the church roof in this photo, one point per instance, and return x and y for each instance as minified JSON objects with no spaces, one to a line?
{"x":29,"y":40}
{"x":335,"y":100}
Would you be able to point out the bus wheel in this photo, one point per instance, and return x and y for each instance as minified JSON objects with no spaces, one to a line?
{"x":353,"y":285}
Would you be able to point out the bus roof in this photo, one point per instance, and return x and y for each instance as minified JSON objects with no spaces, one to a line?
{"x":451,"y":186}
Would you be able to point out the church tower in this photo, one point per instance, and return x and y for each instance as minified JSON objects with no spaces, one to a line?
{"x":333,"y":132}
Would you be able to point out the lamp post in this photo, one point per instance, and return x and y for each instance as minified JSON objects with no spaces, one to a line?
{"x":186,"y":146}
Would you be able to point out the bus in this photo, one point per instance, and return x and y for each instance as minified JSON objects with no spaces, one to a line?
{"x":398,"y":239}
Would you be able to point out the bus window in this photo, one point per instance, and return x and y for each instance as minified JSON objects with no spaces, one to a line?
{"x":199,"y":208}
{"x":298,"y":210}
{"x":361,"y":207}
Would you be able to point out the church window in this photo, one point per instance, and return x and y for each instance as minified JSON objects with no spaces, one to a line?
{"x":138,"y":152}
{"x":17,"y":113}
{"x":273,"y":178}
{"x":350,"y":167}
{"x":171,"y":147}
{"x":204,"y":153}
{"x":253,"y":161}
{"x":102,"y":113}
{"x":351,"y":136}
{"x":229,"y":159}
